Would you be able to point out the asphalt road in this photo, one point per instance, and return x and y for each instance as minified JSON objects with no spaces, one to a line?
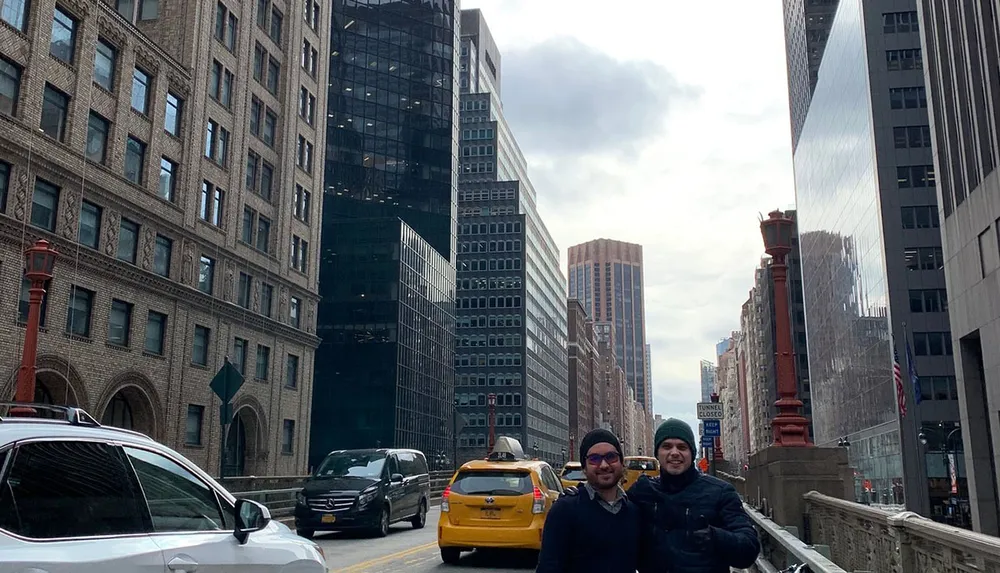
{"x":412,"y":551}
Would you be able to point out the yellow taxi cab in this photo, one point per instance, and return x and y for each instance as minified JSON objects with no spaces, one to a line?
{"x":636,"y":466}
{"x":499,"y":502}
{"x":572,"y":475}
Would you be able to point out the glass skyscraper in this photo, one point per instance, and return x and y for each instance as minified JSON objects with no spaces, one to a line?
{"x":392,"y":114}
{"x":385,"y":370}
{"x":512,"y":324}
{"x":871,"y":256}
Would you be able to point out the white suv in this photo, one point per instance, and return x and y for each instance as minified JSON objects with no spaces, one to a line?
{"x":77,"y":496}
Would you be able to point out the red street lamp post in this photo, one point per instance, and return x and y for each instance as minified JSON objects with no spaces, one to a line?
{"x":39,"y":261}
{"x":790,"y":427}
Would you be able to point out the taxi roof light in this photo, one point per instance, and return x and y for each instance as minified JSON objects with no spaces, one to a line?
{"x":506,"y":449}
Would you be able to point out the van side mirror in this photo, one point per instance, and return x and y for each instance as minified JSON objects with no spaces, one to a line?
{"x":250,"y":517}
{"x":396,"y":478}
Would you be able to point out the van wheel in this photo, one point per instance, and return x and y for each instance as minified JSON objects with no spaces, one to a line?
{"x":383,"y":523}
{"x":307,"y":533}
{"x":420,"y":519}
{"x":451,"y":555}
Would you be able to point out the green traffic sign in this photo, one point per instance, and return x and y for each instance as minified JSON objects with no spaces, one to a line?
{"x":226,"y":382}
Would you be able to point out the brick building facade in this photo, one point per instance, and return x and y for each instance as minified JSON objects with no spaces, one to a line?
{"x":168,"y":266}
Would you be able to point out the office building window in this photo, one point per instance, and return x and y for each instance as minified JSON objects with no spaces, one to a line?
{"x":288,"y":437}
{"x":932,"y":344}
{"x":55,"y":106}
{"x":908,"y":98}
{"x":15,"y":13}
{"x":62,"y":44}
{"x":293,"y":311}
{"x":119,"y":322}
{"x":300,"y":254}
{"x":4,"y":185}
{"x":90,"y":224}
{"x":243,"y":294}
{"x":270,"y":126}
{"x":922,"y":217}
{"x":168,"y":179}
{"x":206,"y":274}
{"x":913,"y":136}
{"x":44,"y":205}
{"x":10,"y":83}
{"x":266,"y":180}
{"x":216,"y":142}
{"x":899,"y":60}
{"x":199,"y":347}
{"x":900,"y":22}
{"x":192,"y":427}
{"x":211,"y":203}
{"x":81,"y":303}
{"x":259,"y":55}
{"x":140,"y":91}
{"x":240,"y":355}
{"x":105,"y":57}
{"x":156,"y":333}
{"x":162,"y":253}
{"x":929,"y":300}
{"x":924,"y":258}
{"x":273,"y":75}
{"x":302,"y":199}
{"x":172,"y":117}
{"x":292,"y":371}
{"x":135,"y":160}
{"x":97,"y":137}
{"x":915,"y":176}
{"x":263,"y":362}
{"x":128,"y":241}
{"x":226,"y":25}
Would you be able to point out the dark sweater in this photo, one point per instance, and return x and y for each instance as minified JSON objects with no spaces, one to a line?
{"x":580,"y":535}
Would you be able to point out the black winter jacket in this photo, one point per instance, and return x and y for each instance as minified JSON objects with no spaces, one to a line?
{"x":680,"y":505}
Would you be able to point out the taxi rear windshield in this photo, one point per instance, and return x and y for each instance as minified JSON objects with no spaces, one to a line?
{"x":641,"y":465}
{"x":573,"y":474}
{"x":493,"y":482}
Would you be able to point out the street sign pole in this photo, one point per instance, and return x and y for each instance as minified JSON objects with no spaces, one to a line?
{"x":226,"y":383}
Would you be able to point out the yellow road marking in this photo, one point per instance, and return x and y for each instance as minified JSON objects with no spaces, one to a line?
{"x":386,"y":558}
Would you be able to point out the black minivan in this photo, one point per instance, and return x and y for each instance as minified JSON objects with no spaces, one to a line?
{"x":364,"y":489}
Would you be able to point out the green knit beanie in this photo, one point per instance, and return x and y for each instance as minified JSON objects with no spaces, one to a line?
{"x":676,"y":429}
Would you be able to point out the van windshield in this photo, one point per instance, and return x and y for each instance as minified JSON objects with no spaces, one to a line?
{"x":352,"y":464}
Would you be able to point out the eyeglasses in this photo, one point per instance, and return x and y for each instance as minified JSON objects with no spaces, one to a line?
{"x":610,"y":457}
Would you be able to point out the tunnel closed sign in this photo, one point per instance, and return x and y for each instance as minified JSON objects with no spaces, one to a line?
{"x":710,"y":410}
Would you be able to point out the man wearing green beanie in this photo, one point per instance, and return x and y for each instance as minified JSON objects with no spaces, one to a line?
{"x":700,"y":525}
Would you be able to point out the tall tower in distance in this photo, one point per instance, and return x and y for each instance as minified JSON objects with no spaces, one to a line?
{"x":606,"y":275}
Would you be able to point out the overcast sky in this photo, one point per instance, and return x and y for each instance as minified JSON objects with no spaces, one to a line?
{"x":663,"y":123}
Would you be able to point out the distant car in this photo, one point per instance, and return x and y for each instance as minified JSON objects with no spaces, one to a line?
{"x":365,"y":489}
{"x":572,"y":474}
{"x":78,"y":496}
{"x":636,"y":466}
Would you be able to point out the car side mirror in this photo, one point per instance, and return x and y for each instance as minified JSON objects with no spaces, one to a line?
{"x":250,"y":517}
{"x":396,"y":478}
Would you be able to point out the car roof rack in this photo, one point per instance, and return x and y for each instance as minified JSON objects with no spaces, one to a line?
{"x":75,"y":416}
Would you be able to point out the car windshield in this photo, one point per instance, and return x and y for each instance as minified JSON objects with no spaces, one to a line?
{"x":493,"y":482}
{"x":575,"y":474}
{"x":352,"y":464}
{"x":641,"y":465}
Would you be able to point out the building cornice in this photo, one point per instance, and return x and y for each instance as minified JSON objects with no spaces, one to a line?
{"x":109,"y":268}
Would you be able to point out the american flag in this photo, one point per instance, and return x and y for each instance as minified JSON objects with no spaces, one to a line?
{"x":897,"y":375}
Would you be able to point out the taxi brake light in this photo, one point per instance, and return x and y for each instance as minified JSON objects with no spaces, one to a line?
{"x":445,"y":506}
{"x":538,"y":506}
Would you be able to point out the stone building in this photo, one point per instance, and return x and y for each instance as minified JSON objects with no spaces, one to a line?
{"x":166,"y":267}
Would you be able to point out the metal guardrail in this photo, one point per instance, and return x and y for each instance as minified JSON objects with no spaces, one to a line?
{"x":781,"y":549}
{"x":281,"y":501}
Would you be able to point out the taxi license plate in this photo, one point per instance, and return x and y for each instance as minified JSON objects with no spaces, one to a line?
{"x":328,"y":518}
{"x":491,"y":513}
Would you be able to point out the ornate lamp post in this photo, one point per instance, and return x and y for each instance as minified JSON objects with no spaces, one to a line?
{"x":39,"y":261}
{"x":790,"y":427}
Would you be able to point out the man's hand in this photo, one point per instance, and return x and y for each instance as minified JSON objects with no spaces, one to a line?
{"x":700,"y":534}
{"x":571,"y":490}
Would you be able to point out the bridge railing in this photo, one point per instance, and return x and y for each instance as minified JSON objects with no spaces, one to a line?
{"x":278,"y":493}
{"x":863,"y":538}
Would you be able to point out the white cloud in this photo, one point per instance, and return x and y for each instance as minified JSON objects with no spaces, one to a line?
{"x":706,"y":166}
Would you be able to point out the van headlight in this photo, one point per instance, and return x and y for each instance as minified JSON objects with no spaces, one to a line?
{"x":367,"y":495}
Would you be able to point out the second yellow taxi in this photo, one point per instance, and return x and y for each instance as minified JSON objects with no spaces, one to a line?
{"x":499,"y":502}
{"x":572,"y":475}
{"x":636,"y":466}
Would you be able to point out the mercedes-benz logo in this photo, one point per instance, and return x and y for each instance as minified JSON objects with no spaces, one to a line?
{"x":329,"y":503}
{"x":490,"y":500}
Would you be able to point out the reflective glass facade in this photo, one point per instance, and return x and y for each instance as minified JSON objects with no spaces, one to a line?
{"x":512,"y":337}
{"x":384,"y":371}
{"x":392,"y":113}
{"x":843,"y":261}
